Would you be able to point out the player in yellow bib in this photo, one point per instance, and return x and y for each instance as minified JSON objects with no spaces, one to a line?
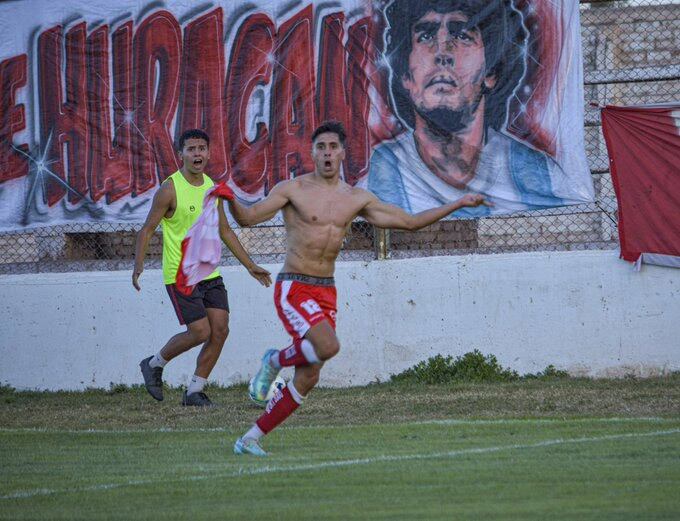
{"x":176,"y":206}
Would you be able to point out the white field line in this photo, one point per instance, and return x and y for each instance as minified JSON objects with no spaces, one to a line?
{"x":451,"y":421}
{"x":268,"y":469}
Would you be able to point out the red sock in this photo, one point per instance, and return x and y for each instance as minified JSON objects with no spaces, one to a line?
{"x":293,"y":355}
{"x":278,"y":409}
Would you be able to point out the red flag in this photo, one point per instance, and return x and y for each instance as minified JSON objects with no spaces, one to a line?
{"x":644,"y":149}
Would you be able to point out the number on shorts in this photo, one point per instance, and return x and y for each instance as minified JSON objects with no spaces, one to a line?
{"x":311,"y":307}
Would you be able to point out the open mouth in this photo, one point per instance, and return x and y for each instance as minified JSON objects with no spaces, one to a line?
{"x":198,"y":162}
{"x":327,"y":164}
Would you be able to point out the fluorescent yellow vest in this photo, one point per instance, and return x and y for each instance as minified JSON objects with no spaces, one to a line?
{"x":189,"y":207}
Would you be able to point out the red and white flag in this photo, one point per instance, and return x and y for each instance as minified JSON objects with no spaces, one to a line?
{"x":202,"y":246}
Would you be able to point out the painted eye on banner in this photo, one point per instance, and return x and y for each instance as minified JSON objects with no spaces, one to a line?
{"x":192,"y":208}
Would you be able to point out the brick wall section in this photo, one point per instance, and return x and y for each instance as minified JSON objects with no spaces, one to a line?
{"x":443,"y":235}
{"x":112,"y":245}
{"x":18,"y":248}
{"x":630,"y":38}
{"x":627,"y":37}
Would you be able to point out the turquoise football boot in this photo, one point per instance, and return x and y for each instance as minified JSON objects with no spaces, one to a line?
{"x":248,"y":446}
{"x":262,"y":381}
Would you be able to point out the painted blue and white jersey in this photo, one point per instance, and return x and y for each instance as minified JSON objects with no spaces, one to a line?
{"x":512,"y":175}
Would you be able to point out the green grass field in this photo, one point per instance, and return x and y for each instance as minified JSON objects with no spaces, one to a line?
{"x":558,"y":449}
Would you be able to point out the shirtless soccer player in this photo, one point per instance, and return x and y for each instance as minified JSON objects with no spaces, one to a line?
{"x":317,"y":210}
{"x":205,"y":312}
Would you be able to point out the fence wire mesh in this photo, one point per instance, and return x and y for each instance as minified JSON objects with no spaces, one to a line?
{"x":630,"y":56}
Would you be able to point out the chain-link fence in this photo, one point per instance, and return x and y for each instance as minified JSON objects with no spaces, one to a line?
{"x":630,"y":54}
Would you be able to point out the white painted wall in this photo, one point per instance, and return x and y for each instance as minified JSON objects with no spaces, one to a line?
{"x":587,"y":312}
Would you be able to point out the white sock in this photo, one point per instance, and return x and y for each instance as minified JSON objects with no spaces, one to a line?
{"x":255,"y":433}
{"x":308,"y":350}
{"x":196,"y":384}
{"x":157,"y":360}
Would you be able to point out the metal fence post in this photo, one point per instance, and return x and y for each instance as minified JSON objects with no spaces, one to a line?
{"x":381,"y":243}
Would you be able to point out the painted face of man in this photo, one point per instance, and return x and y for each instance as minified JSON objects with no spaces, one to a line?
{"x":447,"y":69}
{"x":328,"y":154}
{"x":195,"y":154}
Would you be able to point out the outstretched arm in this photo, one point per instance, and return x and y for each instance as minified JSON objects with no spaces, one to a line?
{"x":231,"y":240}
{"x":385,"y":215}
{"x":262,"y":210}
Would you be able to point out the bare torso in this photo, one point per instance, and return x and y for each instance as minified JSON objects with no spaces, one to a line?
{"x":317,"y":218}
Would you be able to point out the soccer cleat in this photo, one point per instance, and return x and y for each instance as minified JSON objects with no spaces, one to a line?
{"x":264,"y":378}
{"x":153,"y":378}
{"x":248,"y":446}
{"x":196,"y":400}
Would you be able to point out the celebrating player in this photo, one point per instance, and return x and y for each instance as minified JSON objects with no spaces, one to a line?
{"x":317,"y":210}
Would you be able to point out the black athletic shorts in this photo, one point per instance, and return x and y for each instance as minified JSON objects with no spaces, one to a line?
{"x":206,"y":294}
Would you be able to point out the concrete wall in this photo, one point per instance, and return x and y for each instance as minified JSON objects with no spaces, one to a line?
{"x":587,"y":312}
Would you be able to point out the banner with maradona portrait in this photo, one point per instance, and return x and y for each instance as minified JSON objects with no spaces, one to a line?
{"x":439,"y":98}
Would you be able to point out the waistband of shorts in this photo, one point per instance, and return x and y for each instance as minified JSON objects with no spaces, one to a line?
{"x":306,"y":279}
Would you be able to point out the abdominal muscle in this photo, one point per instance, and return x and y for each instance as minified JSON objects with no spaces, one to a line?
{"x":312,"y":248}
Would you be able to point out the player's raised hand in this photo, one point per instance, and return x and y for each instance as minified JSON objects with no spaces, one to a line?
{"x":473,"y":200}
{"x":261,"y":274}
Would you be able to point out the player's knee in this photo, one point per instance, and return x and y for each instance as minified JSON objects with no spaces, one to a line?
{"x":328,"y":349}
{"x":200,"y":332}
{"x":203,"y":337}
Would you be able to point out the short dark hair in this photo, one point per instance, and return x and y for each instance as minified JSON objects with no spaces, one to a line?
{"x":498,"y":22}
{"x":331,"y":126}
{"x":193,"y":133}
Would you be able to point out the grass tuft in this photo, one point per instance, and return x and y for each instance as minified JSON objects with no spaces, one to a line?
{"x":548,"y":373}
{"x":470,"y":367}
{"x":6,"y":389}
